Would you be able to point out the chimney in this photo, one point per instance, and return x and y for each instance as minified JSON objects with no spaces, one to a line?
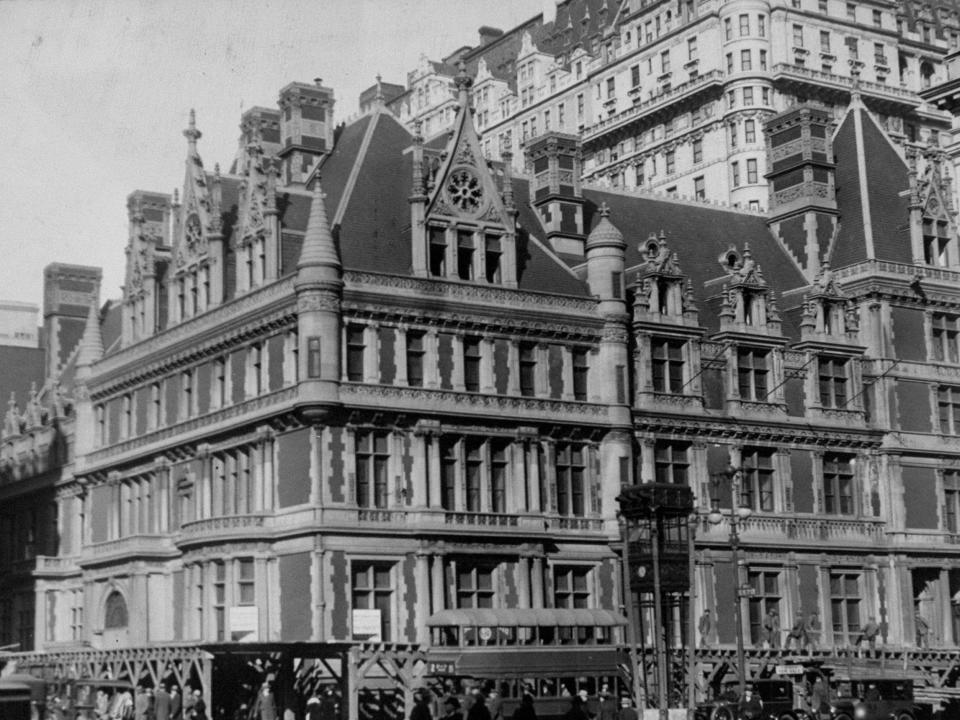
{"x":489,"y":34}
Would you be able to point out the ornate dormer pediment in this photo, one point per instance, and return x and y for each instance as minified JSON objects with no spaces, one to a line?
{"x":828,"y":316}
{"x":462,"y":186}
{"x":662,"y":292}
{"x":748,"y":304}
{"x":200,"y":213}
{"x":931,"y":190}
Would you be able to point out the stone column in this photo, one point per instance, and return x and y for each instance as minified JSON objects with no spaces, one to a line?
{"x":488,"y":383}
{"x":400,"y":355}
{"x":457,"y":374}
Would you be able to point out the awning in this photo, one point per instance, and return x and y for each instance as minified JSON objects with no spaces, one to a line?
{"x":526,"y":617}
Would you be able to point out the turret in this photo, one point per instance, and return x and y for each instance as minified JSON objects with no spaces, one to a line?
{"x":555,"y":190}
{"x":306,"y":128}
{"x":67,"y":290}
{"x":318,"y":286}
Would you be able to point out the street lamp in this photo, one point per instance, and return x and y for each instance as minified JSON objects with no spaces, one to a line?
{"x":739,"y":512}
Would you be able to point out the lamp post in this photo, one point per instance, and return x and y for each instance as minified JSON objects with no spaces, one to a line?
{"x":739,"y":512}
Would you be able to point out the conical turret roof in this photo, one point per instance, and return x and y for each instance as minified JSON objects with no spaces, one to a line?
{"x":318,"y":248}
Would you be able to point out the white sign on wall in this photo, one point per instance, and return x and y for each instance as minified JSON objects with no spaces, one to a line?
{"x":366,"y":625}
{"x":244,"y":623}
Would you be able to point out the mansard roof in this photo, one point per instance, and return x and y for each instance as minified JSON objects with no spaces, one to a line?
{"x":701,"y":235}
{"x":872,"y":194}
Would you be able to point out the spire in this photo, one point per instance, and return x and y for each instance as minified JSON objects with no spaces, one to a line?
{"x":318,"y":246}
{"x":463,"y":83}
{"x":379,"y":96}
{"x":191,"y":133}
{"x":91,"y":346}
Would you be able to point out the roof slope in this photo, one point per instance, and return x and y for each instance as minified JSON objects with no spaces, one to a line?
{"x":870,"y":194}
{"x":700,"y":235}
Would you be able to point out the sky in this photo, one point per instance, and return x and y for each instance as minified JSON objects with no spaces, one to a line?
{"x":94,"y":97}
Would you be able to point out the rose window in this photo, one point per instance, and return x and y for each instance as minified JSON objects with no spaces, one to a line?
{"x":465,"y":190}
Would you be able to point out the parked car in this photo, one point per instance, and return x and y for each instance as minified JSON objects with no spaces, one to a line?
{"x":776,"y":703}
{"x":877,"y":699}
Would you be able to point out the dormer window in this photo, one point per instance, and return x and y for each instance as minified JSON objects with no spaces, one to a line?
{"x":667,"y":362}
{"x":438,"y":252}
{"x":936,"y":241}
{"x":465,"y":255}
{"x":492,"y":257}
{"x":833,"y":382}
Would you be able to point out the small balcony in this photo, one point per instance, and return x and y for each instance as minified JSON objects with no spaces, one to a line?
{"x":643,"y":110}
{"x":791,"y":530}
{"x":128,"y":548}
{"x":805,"y":80}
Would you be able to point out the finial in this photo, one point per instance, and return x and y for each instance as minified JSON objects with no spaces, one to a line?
{"x":176,"y":197}
{"x":379,"y":97}
{"x":191,"y":133}
{"x":604,"y":209}
{"x":463,"y":82}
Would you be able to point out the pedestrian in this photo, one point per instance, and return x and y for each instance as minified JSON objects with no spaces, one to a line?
{"x":869,"y":632}
{"x":176,"y":703}
{"x":478,"y":710}
{"x":798,"y":633}
{"x":161,"y":704}
{"x":188,"y":700}
{"x":608,"y":704}
{"x":495,"y":704}
{"x":812,"y":630}
{"x":198,"y":710}
{"x":141,"y":704}
{"x":751,"y":707}
{"x":451,"y":708}
{"x":771,"y":626}
{"x":585,"y":702}
{"x":265,"y":706}
{"x":705,"y":626}
{"x":627,"y":711}
{"x":576,"y":710}
{"x":923,"y":631}
{"x":819,"y":697}
{"x":329,"y":707}
{"x":421,"y":708}
{"x":525,"y":710}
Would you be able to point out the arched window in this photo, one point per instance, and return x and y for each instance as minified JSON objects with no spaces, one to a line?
{"x":115,"y":612}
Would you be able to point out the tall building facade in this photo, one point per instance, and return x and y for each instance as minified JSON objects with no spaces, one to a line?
{"x":671,"y":97}
{"x":373,"y":391}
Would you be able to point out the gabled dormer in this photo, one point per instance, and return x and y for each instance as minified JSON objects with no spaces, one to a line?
{"x":256,"y":241}
{"x":195,"y":282}
{"x":464,"y":227}
{"x":662,"y":295}
{"x":932,"y":217}
{"x":750,"y":330}
{"x":828,"y":337}
{"x":148,"y":256}
{"x":667,"y":331}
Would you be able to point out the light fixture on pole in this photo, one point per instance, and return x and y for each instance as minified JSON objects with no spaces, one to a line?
{"x":740,"y":511}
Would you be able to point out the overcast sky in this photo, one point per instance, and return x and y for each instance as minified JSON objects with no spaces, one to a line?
{"x":94,"y":97}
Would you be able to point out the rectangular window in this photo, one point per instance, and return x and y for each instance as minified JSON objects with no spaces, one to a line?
{"x":671,"y":160}
{"x":757,"y":479}
{"x":750,"y":131}
{"x":611,"y":87}
{"x":220,"y":599}
{"x":729,"y":63}
{"x":580,"y":107}
{"x":728,"y":29}
{"x":372,"y":589}
{"x":751,"y":164}
{"x":372,"y":464}
{"x":752,"y":373}
{"x":844,"y":606}
{"x":471,"y":364}
{"x":246,"y":583}
{"x":798,"y":36}
{"x":837,"y":484}
{"x":744,"y":25}
{"x":735,"y":173}
{"x":691,"y":48}
{"x":824,"y":41}
{"x":438,"y":248}
{"x":492,"y":255}
{"x":449,"y":463}
{"x":763,"y":63}
{"x":474,"y":585}
{"x":697,"y":151}
{"x":748,"y":100}
{"x":356,"y":345}
{"x":580,"y":371}
{"x":764,"y":602}
{"x":634,"y":76}
{"x":415,"y":354}
{"x":879,"y":54}
{"x":186,"y":394}
{"x":822,"y":6}
{"x":571,"y":587}
{"x":465,"y":252}
{"x":473,"y":471}
{"x":665,"y":62}
{"x":948,"y":403}
{"x":851,"y":11}
{"x":853,"y":47}
{"x":762,"y":25}
{"x":745,"y":63}
{"x":945,"y":331}
{"x":667,"y":365}
{"x":528,"y":369}
{"x":951,"y":501}
{"x":832,"y":377}
{"x":499,"y":454}
{"x":571,"y":472}
{"x":699,"y":188}
{"x":671,"y":462}
{"x":877,"y":18}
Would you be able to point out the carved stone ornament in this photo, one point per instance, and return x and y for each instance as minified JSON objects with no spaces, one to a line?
{"x":194,"y":244}
{"x":464,"y":190}
{"x":318,"y":301}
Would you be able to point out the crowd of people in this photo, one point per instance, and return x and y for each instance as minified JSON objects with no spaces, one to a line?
{"x":122,"y":703}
